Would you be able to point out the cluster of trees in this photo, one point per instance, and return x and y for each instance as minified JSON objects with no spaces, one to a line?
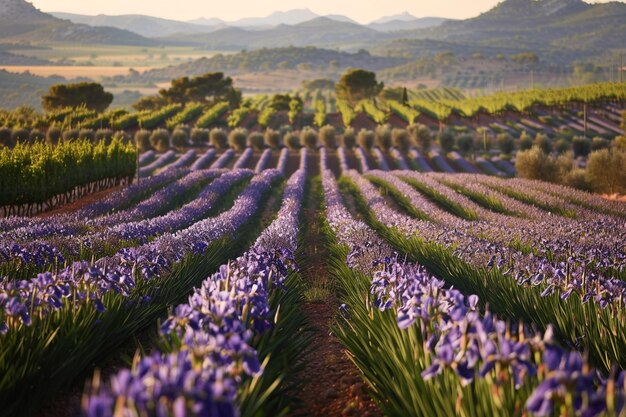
{"x":605,"y":170}
{"x":209,"y":88}
{"x":89,"y":95}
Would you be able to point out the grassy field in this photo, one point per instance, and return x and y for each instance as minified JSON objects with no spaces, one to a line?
{"x":115,"y":55}
{"x":72,"y":71}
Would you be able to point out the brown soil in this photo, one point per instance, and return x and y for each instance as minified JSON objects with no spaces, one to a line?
{"x":335,"y":120}
{"x":78,"y":204}
{"x":396,"y":121}
{"x":333,"y":386}
{"x":362,"y":121}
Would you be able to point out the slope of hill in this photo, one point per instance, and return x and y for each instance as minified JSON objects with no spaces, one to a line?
{"x":319,"y":32}
{"x":9,"y":58}
{"x":24,"y":89}
{"x":407,"y":24}
{"x":267,"y":60}
{"x":147,"y":26}
{"x":21,"y":22}
{"x":290,"y":17}
{"x":540,"y":24}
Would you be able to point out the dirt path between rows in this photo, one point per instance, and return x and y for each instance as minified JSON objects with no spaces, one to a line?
{"x":333,"y":386}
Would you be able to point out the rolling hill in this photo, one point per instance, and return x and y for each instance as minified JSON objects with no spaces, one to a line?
{"x":267,"y":60}
{"x":544,"y":25}
{"x":21,"y":22}
{"x":321,"y":32}
{"x":147,"y":26}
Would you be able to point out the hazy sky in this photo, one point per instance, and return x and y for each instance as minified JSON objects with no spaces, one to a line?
{"x":361,"y":10}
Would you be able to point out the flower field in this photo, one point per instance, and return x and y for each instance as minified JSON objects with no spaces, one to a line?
{"x":189,"y":291}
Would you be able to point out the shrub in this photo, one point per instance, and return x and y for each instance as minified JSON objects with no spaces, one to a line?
{"x":36,"y":136}
{"x":401,"y":139}
{"x":142,"y":140}
{"x":543,"y":142}
{"x":383,"y":137}
{"x":71,"y":134}
{"x":218,"y":138}
{"x":256,"y":141}
{"x":185,"y":128}
{"x":581,"y":146}
{"x":421,"y":136}
{"x":284,"y":129}
{"x":199,"y":136}
{"x":561,"y":146}
{"x":465,"y":143}
{"x":292,"y":141}
{"x":328,"y":137}
{"x":606,"y":170}
{"x":577,"y":178}
{"x":104,"y":135}
{"x":506,"y":143}
{"x":525,"y":141}
{"x":599,"y":143}
{"x":366,"y":139}
{"x":446,"y":140}
{"x":5,"y":137}
{"x":125,"y":137}
{"x":53,"y":135}
{"x":271,"y":138}
{"x":160,"y":140}
{"x":348,"y":140}
{"x":536,"y":164}
{"x":237,"y":139}
{"x":87,"y":134}
{"x":619,"y":143}
{"x":308,"y":138}
{"x":180,"y":138}
{"x":20,"y":135}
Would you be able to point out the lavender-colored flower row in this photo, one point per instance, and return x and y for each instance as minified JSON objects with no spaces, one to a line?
{"x":380,"y":159}
{"x":282,"y":160}
{"x":146,"y":208}
{"x":42,"y":253}
{"x":146,"y":157}
{"x":160,"y":162}
{"x":362,"y":157}
{"x":138,"y":231}
{"x":462,"y":341}
{"x":96,"y":209}
{"x":204,"y":161}
{"x":184,"y":160}
{"x":215,"y":329}
{"x":587,"y":241}
{"x":263,"y":161}
{"x":83,"y":283}
{"x":223,"y":160}
{"x":343,"y":160}
{"x":399,"y":158}
{"x":567,"y":278}
{"x":243,"y":159}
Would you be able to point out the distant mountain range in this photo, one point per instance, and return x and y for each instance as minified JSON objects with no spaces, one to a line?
{"x":321,"y":32}
{"x":566,"y":29}
{"x":154,"y":27}
{"x":147,"y":26}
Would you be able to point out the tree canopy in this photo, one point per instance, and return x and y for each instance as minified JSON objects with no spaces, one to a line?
{"x":90,"y":95}
{"x":208,"y":88}
{"x":356,"y":85}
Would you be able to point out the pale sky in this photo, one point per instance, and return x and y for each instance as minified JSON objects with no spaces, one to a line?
{"x":362,"y":11}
